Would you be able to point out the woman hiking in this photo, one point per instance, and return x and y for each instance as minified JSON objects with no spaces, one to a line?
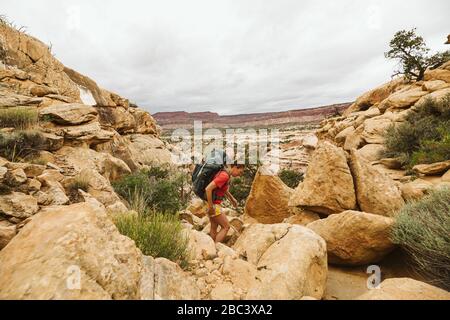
{"x":215,"y":192}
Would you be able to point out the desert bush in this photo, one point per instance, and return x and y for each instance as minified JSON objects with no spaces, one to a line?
{"x":423,"y":137}
{"x":422,"y":229}
{"x":291,"y":177}
{"x":240,"y":187}
{"x":155,"y":234}
{"x":20,"y":118}
{"x":163,"y":190}
{"x":81,"y":181}
{"x":18,"y":145}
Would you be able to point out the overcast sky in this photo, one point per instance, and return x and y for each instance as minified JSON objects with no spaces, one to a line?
{"x":230,"y":56}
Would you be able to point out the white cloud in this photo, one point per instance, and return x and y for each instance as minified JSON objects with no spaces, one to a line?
{"x":229,"y":56}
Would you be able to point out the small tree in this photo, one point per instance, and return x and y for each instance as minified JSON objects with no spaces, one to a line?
{"x":413,"y":55}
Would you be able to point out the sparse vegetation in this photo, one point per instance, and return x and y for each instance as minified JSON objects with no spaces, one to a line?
{"x":291,"y":177}
{"x":20,"y":118}
{"x":163,"y":190}
{"x":18,"y":145}
{"x":424,"y":137}
{"x":240,"y":187}
{"x":155,"y":196}
{"x":422,"y":229}
{"x":413,"y":55}
{"x":155,"y":234}
{"x":80,"y":182}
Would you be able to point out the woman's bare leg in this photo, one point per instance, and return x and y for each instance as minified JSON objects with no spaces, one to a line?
{"x":213,"y":231}
{"x":221,"y":220}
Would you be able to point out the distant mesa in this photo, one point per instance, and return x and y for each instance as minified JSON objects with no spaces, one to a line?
{"x":171,"y":120}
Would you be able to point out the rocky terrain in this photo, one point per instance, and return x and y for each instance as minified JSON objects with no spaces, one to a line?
{"x":182,"y":119}
{"x":312,"y":242}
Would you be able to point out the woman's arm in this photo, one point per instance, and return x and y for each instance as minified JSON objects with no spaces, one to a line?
{"x":209,"y":190}
{"x":231,"y":198}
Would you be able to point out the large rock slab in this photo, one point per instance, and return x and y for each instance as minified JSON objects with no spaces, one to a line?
{"x":148,"y":150}
{"x":405,"y":289}
{"x":269,"y":198}
{"x":355,"y":238}
{"x":432,"y":169}
{"x":376,"y":192}
{"x":70,"y":252}
{"x":403,"y":98}
{"x":328,"y":186}
{"x":291,"y":268}
{"x":69,"y":114}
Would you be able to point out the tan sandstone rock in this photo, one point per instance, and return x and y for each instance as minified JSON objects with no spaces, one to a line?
{"x":328,"y":185}
{"x":376,"y":192}
{"x":269,"y":198}
{"x":405,"y":289}
{"x":69,"y":114}
{"x":355,"y":238}
{"x":432,"y":169}
{"x":18,"y":205}
{"x":7,"y":232}
{"x":416,"y":189}
{"x":70,"y":252}
{"x":293,"y":266}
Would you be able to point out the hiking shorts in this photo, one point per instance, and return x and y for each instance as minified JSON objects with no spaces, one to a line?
{"x":217,"y":211}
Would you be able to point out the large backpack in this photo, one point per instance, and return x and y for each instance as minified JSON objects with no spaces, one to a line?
{"x":204,"y":173}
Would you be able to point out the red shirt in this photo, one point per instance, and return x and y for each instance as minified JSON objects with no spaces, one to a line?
{"x":221,"y":180}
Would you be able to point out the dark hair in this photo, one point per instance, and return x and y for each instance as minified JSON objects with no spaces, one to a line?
{"x":237,"y":165}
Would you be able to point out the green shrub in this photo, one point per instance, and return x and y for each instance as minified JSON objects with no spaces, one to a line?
{"x":156,"y":235}
{"x":20,"y":118}
{"x":161,"y":189}
{"x":19,"y":145}
{"x":423,"y":137}
{"x":422,"y":229}
{"x":240,"y":187}
{"x":291,"y":177}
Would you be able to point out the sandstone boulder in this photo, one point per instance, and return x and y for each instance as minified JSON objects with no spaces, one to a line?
{"x":90,"y":133}
{"x":241,"y":273}
{"x":355,"y":140}
{"x":148,"y":150}
{"x":165,"y":280}
{"x":269,"y":198}
{"x":437,"y":74}
{"x":403,"y":98}
{"x":303,"y":218}
{"x":375,"y":96}
{"x":342,"y":136}
{"x":70,"y":252}
{"x":416,"y":189}
{"x":117,"y":118}
{"x":434,"y":85}
{"x":355,"y":238}
{"x":201,"y":245}
{"x":405,"y":289}
{"x":328,"y":184}
{"x":291,"y":261}
{"x":432,"y":169}
{"x":18,"y":205}
{"x":69,"y":114}
{"x":372,"y":152}
{"x":375,"y":129}
{"x":376,"y":192}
